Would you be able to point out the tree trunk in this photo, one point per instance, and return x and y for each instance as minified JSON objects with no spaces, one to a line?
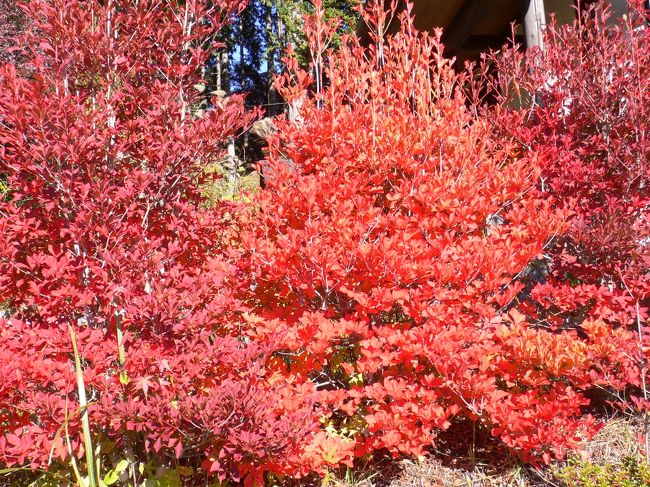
{"x":271,"y":98}
{"x":534,"y":15}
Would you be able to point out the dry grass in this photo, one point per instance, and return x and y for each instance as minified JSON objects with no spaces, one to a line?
{"x":432,"y":473}
{"x":616,"y":441}
{"x":224,"y":188}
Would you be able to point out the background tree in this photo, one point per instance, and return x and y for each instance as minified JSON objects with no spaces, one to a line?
{"x":262,"y":36}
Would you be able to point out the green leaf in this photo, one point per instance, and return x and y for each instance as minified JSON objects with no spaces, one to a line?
{"x":12,"y":470}
{"x":121,"y":466}
{"x":111,"y":477}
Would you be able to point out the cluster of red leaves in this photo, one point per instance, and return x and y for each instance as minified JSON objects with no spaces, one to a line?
{"x":398,"y":230}
{"x":12,"y":24}
{"x":102,"y":228}
{"x":591,"y":89}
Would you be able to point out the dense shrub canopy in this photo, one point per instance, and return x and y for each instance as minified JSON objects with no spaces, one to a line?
{"x":592,"y":91}
{"x":417,"y":260}
{"x":390,"y":247}
{"x":102,"y":229}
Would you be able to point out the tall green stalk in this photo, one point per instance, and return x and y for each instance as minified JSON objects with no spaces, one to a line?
{"x":124,"y":378}
{"x":85,"y":422}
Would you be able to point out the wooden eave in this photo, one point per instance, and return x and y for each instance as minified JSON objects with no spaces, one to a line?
{"x":474,"y":26}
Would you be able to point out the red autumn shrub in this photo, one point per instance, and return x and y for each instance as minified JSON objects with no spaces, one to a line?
{"x":12,"y":23}
{"x":386,"y":251}
{"x":102,"y":228}
{"x":591,"y":88}
{"x":415,"y":260}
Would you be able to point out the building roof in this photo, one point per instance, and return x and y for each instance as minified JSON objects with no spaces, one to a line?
{"x":473,"y":26}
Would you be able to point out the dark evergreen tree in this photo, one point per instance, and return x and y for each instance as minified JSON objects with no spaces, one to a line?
{"x":290,"y":22}
{"x":261,"y":36}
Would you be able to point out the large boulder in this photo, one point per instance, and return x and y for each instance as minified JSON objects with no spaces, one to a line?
{"x":256,"y":139}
